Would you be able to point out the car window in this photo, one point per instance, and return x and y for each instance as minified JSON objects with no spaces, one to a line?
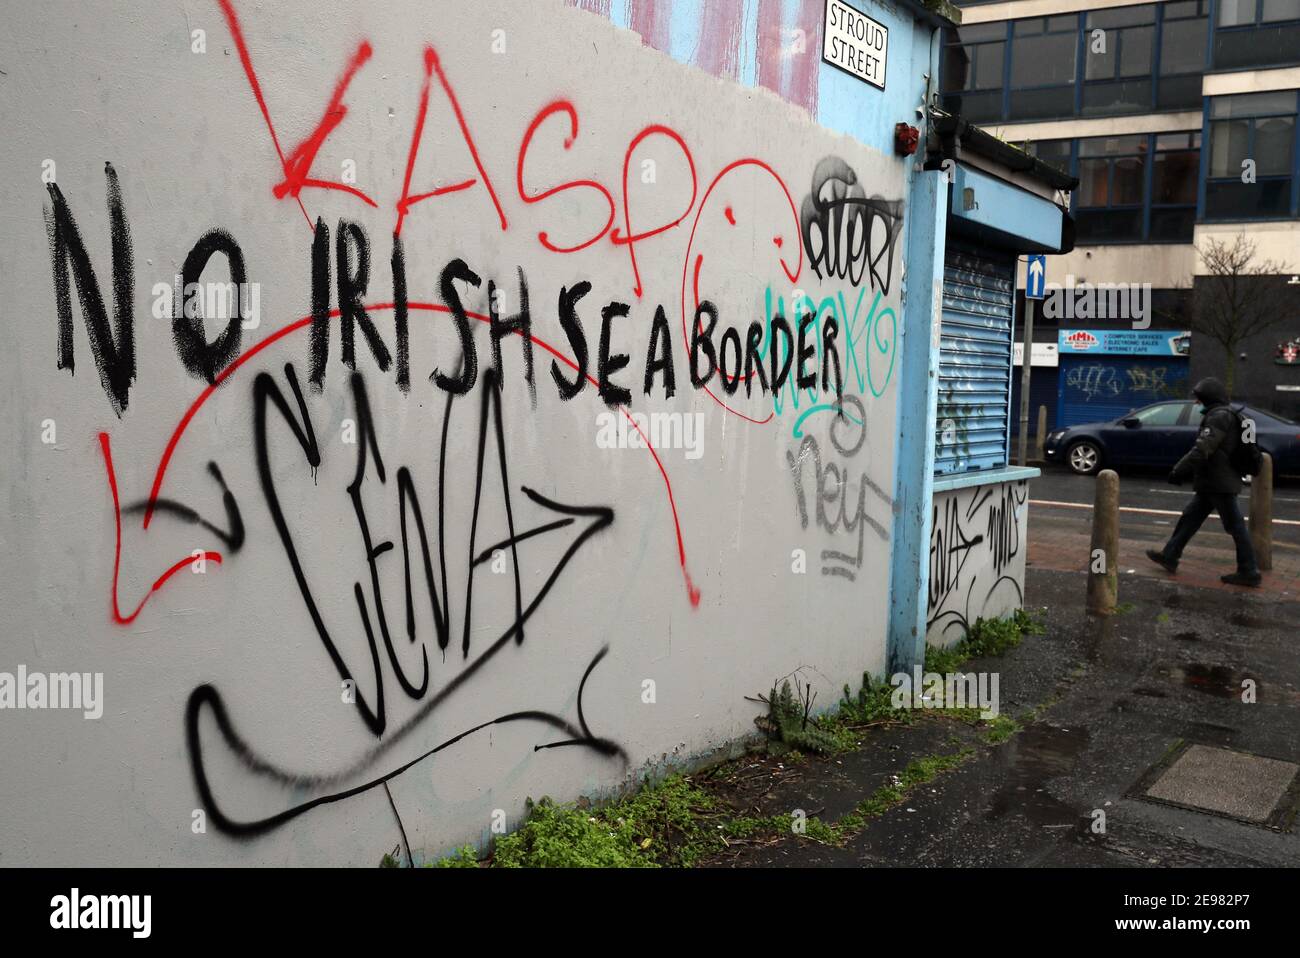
{"x":1164,"y":414}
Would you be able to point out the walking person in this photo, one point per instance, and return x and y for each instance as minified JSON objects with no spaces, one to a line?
{"x":1216,"y":484}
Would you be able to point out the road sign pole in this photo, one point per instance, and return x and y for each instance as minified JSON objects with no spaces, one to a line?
{"x":1026,"y":362}
{"x":1035,"y":287}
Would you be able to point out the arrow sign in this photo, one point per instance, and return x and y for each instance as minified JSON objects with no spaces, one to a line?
{"x":1035,"y":276}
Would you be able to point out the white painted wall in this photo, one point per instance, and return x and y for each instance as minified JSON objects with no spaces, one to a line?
{"x":1251,"y":81}
{"x":91,"y":83}
{"x":1162,"y":265}
{"x":1275,"y":241}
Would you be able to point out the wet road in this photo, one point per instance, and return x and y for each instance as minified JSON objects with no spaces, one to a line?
{"x":1149,"y":490}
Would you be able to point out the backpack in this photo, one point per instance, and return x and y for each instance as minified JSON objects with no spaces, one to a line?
{"x":1245,"y":458}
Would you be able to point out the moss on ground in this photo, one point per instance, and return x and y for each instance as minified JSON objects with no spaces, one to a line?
{"x":682,"y":820}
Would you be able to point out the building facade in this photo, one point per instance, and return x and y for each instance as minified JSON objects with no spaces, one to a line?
{"x":1179,"y":121}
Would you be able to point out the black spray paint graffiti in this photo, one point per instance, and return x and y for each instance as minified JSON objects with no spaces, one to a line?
{"x":831,"y":482}
{"x":954,"y":539}
{"x":1003,"y":526}
{"x":114,"y":354}
{"x":343,"y":270}
{"x":846,"y":233}
{"x":415,"y":541}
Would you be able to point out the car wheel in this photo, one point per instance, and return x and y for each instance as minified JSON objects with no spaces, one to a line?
{"x":1084,"y":457}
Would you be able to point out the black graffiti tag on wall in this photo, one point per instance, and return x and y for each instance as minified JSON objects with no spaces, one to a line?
{"x":1004,"y":526}
{"x":437,"y":578}
{"x":340,"y":273}
{"x":847,"y":234}
{"x":957,"y":534}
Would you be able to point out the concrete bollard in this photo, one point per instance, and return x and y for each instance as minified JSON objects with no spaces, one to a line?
{"x":1103,"y":556}
{"x":1261,"y":514}
{"x":1041,"y":440}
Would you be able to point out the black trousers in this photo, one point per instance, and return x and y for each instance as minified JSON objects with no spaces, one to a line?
{"x":1196,"y":512}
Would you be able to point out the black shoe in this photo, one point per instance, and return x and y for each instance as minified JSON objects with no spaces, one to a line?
{"x":1169,"y":565}
{"x":1242,"y":578}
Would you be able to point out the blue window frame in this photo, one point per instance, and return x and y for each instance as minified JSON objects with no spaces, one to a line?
{"x":1183,"y":44}
{"x":1111,"y":198}
{"x":1104,"y":62}
{"x":1140,"y":188}
{"x":1119,"y":57}
{"x":1043,"y":67}
{"x":1256,"y":33}
{"x":974,"y":70}
{"x":1175,"y":173}
{"x":1250,"y":166}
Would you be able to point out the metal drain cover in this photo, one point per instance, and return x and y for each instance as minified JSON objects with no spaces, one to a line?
{"x":1250,"y":788}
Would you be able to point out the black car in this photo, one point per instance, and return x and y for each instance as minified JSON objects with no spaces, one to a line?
{"x":1160,"y":434}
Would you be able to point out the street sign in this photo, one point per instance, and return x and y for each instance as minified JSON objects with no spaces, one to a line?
{"x":1035,"y":276}
{"x":854,"y":43}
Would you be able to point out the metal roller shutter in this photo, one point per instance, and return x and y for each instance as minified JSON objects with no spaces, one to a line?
{"x":974,"y":362}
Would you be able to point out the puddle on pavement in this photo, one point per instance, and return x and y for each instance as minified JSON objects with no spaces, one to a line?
{"x":1187,"y":637}
{"x":1030,"y":760}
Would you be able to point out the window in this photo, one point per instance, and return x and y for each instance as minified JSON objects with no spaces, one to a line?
{"x":1165,"y":414}
{"x":1123,"y":59}
{"x":1257,"y":33}
{"x":1043,"y":57}
{"x":1176,"y":170}
{"x":1119,"y":46}
{"x":1112,"y":180}
{"x":1236,"y":13}
{"x":974,"y":57}
{"x":1251,"y":156}
{"x":1246,"y":13}
{"x":1139,"y":188}
{"x":1271,"y":11}
{"x":1183,"y":37}
{"x":1055,"y":153}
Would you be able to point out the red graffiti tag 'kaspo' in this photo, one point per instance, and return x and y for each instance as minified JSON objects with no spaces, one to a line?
{"x":297,"y":164}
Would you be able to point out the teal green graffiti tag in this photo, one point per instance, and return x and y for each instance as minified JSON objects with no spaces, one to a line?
{"x":864,"y":339}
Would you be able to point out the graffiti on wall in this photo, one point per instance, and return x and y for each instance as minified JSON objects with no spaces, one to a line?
{"x":389,"y":470}
{"x":977,"y":557}
{"x":1143,"y":383}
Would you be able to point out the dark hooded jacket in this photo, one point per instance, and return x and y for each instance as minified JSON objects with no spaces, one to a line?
{"x":1209,"y":463}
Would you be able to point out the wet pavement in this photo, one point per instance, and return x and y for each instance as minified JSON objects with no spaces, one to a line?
{"x":1105,"y":705}
{"x":1060,"y":526}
